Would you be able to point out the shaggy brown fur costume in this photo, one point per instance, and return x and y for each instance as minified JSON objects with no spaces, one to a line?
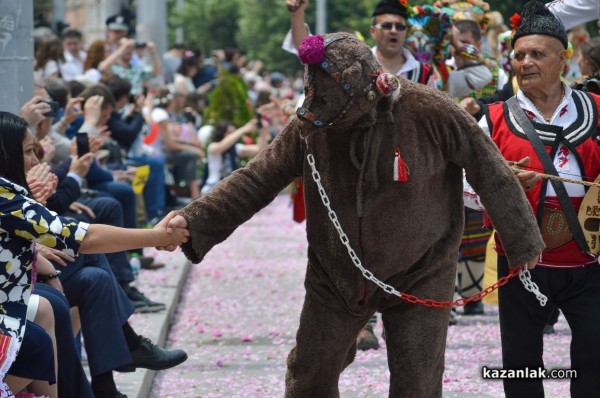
{"x":406,"y":233}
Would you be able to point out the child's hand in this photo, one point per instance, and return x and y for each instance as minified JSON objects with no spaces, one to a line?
{"x":177,"y":222}
{"x":175,"y":231}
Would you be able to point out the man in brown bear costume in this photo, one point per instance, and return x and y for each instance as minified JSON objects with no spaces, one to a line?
{"x":389,"y":169}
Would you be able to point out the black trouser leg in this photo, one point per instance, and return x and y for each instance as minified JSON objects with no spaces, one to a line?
{"x":522,"y":322}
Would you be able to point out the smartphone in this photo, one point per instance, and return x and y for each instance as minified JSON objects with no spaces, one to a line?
{"x":54,"y":106}
{"x":259,"y":123}
{"x":189,"y":117}
{"x":83,"y":145}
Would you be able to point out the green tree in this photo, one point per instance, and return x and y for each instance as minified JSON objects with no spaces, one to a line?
{"x":263,"y":25}
{"x":208,"y":24}
{"x":229,"y":100}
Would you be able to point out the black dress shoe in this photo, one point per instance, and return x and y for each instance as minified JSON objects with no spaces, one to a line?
{"x":150,"y":356}
{"x":142,"y":303}
{"x":109,"y":394}
{"x":148,"y":262}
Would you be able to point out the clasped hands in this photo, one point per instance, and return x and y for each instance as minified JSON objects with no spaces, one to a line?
{"x":175,"y":225}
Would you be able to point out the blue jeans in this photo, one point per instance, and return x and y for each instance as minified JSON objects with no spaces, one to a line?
{"x":124,"y":194}
{"x":108,"y":211}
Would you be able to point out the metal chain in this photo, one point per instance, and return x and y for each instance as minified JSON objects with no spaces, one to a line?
{"x":390,"y":289}
{"x":531,"y":286}
{"x":343,"y":237}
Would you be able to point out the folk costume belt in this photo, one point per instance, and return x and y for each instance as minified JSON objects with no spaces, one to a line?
{"x":554,"y":228}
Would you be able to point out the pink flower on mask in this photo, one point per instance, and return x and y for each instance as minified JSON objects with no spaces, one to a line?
{"x":312,"y":50}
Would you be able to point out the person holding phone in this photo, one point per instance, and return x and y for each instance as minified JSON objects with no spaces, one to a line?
{"x":137,"y":73}
{"x":127,"y":125}
{"x":41,"y":116}
{"x":83,"y":145}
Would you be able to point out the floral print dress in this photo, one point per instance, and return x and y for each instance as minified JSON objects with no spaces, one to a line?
{"x":23,"y":223}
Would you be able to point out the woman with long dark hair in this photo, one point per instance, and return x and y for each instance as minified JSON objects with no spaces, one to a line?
{"x":48,"y":57}
{"x":25,"y":223}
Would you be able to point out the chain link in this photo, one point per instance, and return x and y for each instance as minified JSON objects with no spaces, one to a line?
{"x":529,"y":284}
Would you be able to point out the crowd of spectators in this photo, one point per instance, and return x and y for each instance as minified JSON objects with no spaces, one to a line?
{"x":122,"y":135}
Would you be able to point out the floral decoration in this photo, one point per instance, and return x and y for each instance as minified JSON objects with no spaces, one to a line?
{"x":515,"y":21}
{"x":410,"y":11}
{"x":387,"y":83}
{"x":312,"y":50}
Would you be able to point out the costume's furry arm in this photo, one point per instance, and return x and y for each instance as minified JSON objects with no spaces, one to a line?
{"x":214,"y":216}
{"x":496,"y":185}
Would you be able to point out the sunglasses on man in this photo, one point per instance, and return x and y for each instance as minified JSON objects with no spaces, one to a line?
{"x":389,"y":25}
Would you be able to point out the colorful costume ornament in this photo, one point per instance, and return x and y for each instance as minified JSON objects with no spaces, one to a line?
{"x":459,"y":10}
{"x":428,"y":38}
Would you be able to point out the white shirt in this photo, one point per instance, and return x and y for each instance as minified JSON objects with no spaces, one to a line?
{"x":72,"y":67}
{"x":158,"y":115}
{"x":91,"y":76}
{"x":49,"y":69}
{"x":410,"y":64}
{"x":183,"y":84}
{"x":462,"y":82}
{"x":575,"y":12}
{"x":215,"y":166}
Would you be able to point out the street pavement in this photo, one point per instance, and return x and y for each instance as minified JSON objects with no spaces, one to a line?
{"x":236,"y":315}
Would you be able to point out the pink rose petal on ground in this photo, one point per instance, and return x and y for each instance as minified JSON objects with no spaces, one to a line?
{"x":267,"y":309}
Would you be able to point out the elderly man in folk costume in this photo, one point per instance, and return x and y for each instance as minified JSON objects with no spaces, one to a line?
{"x":382,"y":160}
{"x":549,"y":128}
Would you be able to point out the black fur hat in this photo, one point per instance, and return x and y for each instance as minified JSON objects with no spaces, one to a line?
{"x":536,"y":19}
{"x":392,"y":7}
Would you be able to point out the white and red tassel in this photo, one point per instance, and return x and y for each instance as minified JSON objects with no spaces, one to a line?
{"x":400,"y":168}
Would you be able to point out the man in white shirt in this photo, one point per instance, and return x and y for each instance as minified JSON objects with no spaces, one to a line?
{"x":74,"y":55}
{"x":388,"y":28}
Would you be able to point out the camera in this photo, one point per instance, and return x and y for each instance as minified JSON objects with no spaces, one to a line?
{"x":189,"y":117}
{"x":140,"y":45}
{"x":83,"y":145}
{"x":259,"y":123}
{"x":54,"y":106}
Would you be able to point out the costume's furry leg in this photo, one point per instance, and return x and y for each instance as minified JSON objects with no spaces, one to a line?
{"x":416,"y":341}
{"x":325,"y":345}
